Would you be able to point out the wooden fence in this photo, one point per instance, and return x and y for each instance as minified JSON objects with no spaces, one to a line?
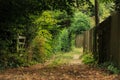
{"x":88,"y":41}
{"x":107,"y":42}
{"x":79,"y":41}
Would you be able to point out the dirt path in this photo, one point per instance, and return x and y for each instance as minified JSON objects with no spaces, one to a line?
{"x":75,"y":70}
{"x":76,"y":59}
{"x":64,"y":72}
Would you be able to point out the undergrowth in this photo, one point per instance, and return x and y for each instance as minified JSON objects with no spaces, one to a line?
{"x":111,"y":67}
{"x":88,"y":58}
{"x":61,"y":58}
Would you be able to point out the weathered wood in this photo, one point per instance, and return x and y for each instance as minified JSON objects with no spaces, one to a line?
{"x":21,"y":37}
{"x":103,"y":41}
{"x":79,"y":41}
{"x":115,"y":39}
{"x":86,"y":42}
{"x":108,"y":40}
{"x":21,"y":43}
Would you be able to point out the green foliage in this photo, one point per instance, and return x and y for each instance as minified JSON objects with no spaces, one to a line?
{"x":63,"y":19}
{"x":63,"y":41}
{"x":80,"y":23}
{"x":14,"y":60}
{"x":88,"y":58}
{"x":42,"y":46}
{"x":15,"y":19}
{"x":56,"y":43}
{"x":46,"y":20}
{"x":110,"y":67}
{"x":113,"y":69}
{"x":30,"y":17}
{"x":64,"y":57}
{"x":105,"y":10}
{"x":16,"y":16}
{"x":107,"y":1}
{"x":53,"y":21}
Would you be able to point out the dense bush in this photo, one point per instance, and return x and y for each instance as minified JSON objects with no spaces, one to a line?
{"x":14,"y":60}
{"x":88,"y":58}
{"x":63,"y":42}
{"x":55,"y":22}
{"x":80,"y":23}
{"x":41,"y":46}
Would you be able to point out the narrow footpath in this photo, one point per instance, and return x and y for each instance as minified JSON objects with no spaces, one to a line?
{"x":67,"y":66}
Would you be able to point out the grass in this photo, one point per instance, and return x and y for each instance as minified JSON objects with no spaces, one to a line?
{"x":61,"y":58}
{"x":88,"y":58}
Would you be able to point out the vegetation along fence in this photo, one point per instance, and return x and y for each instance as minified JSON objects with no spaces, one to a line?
{"x":107,"y":44}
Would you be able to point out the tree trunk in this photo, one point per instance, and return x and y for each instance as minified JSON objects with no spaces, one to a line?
{"x":96,"y":55}
{"x":96,"y":12}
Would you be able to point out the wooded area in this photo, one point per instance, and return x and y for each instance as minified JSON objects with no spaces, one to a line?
{"x":44,"y":24}
{"x":44,"y":39}
{"x":48,"y":27}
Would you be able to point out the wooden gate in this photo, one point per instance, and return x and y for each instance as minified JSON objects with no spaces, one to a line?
{"x":21,"y":43}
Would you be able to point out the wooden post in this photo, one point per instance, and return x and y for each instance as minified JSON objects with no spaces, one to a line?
{"x":96,"y":12}
{"x":95,"y":32}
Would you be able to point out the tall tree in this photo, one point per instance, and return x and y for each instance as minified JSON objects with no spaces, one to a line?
{"x":96,"y":12}
{"x":96,"y":23}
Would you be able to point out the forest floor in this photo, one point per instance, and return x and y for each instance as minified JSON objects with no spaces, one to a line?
{"x":63,"y":66}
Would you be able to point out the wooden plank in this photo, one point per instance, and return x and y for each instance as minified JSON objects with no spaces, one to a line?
{"x":21,"y":37}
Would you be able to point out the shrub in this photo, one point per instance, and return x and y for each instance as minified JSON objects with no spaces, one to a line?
{"x":88,"y":58}
{"x":42,"y":46}
{"x":56,"y":45}
{"x":113,"y":69}
{"x":14,"y":60}
{"x":63,"y":41}
{"x":110,"y":67}
{"x":46,"y":20}
{"x":80,"y":22}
